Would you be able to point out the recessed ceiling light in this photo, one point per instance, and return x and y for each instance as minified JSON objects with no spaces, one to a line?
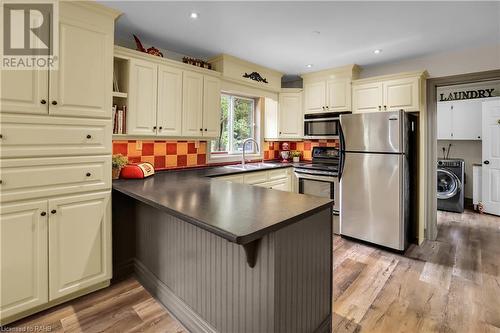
{"x":193,"y":15}
{"x":316,"y":32}
{"x":377,"y":51}
{"x":309,"y":65}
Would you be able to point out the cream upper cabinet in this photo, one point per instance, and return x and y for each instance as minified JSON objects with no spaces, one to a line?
{"x":192,"y":104}
{"x":389,"y":93}
{"x":24,"y":260}
{"x":25,"y":91}
{"x":401,"y":94}
{"x":459,"y":120}
{"x":79,"y":242}
{"x":169,"y":116}
{"x":81,"y":86}
{"x":367,"y":97}
{"x":338,"y":94}
{"x":315,"y":97}
{"x":141,"y":118}
{"x":290,"y":115}
{"x":211,"y":106}
{"x":444,"y":121}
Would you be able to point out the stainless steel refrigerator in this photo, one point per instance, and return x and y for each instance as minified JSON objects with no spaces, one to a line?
{"x":375,"y":177}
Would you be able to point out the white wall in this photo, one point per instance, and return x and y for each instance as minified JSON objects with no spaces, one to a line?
{"x":469,"y":60}
{"x":469,"y":151}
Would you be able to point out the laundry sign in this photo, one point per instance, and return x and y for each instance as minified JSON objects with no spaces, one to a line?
{"x":466,"y":94}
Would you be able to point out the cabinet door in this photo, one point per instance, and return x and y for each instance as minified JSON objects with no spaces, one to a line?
{"x":367,"y":97}
{"x":192,"y":104}
{"x":23,"y":251}
{"x":467,"y":116}
{"x":444,"y":121}
{"x":290,"y":115}
{"x":79,"y":242}
{"x":141,"y":115}
{"x":282,"y":185}
{"x":315,"y":97}
{"x":82,"y":85}
{"x":401,"y":94}
{"x":211,"y":106}
{"x":25,"y":91}
{"x":169,"y":119}
{"x":271,"y":118}
{"x":338,"y":93}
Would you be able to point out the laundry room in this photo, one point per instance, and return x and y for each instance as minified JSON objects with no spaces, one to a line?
{"x":464,"y":145}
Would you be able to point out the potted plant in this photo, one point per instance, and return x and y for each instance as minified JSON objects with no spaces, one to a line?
{"x":296,"y":156}
{"x":118,"y":161}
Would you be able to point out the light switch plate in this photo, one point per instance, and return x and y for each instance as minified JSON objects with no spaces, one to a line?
{"x":138,"y":145}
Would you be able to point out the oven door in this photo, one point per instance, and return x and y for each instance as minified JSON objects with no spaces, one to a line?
{"x":321,"y":128}
{"x":322,"y":186}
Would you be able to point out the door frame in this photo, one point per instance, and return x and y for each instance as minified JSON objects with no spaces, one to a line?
{"x":431,"y":151}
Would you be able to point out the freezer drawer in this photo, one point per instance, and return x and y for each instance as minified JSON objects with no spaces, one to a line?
{"x":372,"y":199}
{"x":375,"y":132}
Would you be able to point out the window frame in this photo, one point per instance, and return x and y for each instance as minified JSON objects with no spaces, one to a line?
{"x":231,"y":156}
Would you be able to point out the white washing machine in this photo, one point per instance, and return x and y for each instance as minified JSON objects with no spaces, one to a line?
{"x":450,"y":185}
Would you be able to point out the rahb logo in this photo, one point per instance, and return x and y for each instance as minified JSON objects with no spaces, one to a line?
{"x":30,"y":34}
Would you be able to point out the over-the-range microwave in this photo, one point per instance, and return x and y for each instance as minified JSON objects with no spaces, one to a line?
{"x":322,"y":125}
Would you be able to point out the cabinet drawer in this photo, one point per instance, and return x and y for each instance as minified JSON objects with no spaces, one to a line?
{"x":33,"y":136}
{"x":256,"y":177}
{"x":279,"y":174}
{"x":26,"y":178}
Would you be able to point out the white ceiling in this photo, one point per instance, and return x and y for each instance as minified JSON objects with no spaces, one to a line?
{"x":280,"y":35}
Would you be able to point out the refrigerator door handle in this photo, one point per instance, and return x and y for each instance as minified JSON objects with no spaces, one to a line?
{"x":342,"y":152}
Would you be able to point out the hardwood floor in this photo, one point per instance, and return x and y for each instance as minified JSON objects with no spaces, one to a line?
{"x":448,"y":285}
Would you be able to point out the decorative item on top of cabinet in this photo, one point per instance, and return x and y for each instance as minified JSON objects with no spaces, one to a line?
{"x":329,"y":90}
{"x":152,"y":50}
{"x":389,"y":93}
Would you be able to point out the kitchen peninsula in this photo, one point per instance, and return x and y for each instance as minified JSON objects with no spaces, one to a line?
{"x":227,"y":257}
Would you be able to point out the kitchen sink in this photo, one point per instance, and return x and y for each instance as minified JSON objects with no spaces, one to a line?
{"x":252,"y":166}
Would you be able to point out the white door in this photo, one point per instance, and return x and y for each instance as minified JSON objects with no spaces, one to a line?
{"x":192,"y":104}
{"x":367,"y":97}
{"x":23,"y":251}
{"x":169,"y":118}
{"x":315,"y":97}
{"x":491,"y":157}
{"x":290,"y":115}
{"x":141,"y":114}
{"x":444,"y":121}
{"x":211,"y":106}
{"x":79,"y":242}
{"x":338,"y":93}
{"x":467,"y":115}
{"x":401,"y":94}
{"x":81,"y":86}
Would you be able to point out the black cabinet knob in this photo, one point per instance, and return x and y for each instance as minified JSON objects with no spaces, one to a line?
{"x":161,"y":127}
{"x":201,"y":129}
{"x":154,"y":127}
{"x":1,"y":136}
{"x":43,"y":213}
{"x":486,"y":162}
{"x":88,"y":174}
{"x":43,"y":101}
{"x":54,"y":102}
{"x":206,"y":129}
{"x":89,"y":136}
{"x":53,"y":211}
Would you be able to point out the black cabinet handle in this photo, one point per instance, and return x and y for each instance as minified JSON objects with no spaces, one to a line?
{"x":53,"y":211}
{"x":206,"y":129}
{"x":486,"y":162}
{"x":43,"y":213}
{"x":161,"y":128}
{"x":379,"y":107}
{"x":54,"y":102}
{"x":385,"y":107}
{"x":154,"y":127}
{"x":89,"y":136}
{"x":1,"y":136}
{"x":88,"y":174}
{"x":43,"y":101}
{"x":201,"y":129}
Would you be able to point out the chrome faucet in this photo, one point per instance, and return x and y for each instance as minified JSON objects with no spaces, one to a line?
{"x":244,"y":144}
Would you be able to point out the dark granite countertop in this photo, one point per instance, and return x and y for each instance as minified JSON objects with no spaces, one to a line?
{"x":239,"y":213}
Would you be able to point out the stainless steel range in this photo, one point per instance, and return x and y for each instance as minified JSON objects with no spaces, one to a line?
{"x":320,"y":178}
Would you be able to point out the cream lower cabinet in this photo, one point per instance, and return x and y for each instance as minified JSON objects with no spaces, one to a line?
{"x":280,"y":179}
{"x":79,"y":242}
{"x":24,"y":257}
{"x":53,"y":248}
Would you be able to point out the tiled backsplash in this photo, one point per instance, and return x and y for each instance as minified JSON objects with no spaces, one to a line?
{"x":185,"y":154}
{"x":164,"y":154}
{"x":272,"y":148}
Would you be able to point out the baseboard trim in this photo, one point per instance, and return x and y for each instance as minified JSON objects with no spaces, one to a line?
{"x":178,"y":308}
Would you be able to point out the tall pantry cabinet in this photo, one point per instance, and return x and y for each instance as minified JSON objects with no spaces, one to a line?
{"x":55,"y":169}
